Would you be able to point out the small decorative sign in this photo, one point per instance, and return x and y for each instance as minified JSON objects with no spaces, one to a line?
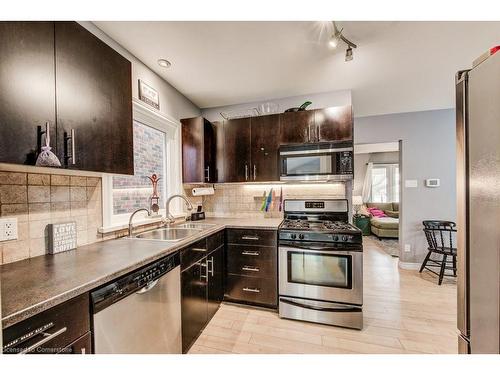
{"x":149,"y":95}
{"x":62,"y":237}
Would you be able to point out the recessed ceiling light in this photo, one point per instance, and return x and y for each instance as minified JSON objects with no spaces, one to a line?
{"x":164,"y":63}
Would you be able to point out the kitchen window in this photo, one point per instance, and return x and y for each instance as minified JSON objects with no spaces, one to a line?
{"x":385,"y":183}
{"x":156,"y":151}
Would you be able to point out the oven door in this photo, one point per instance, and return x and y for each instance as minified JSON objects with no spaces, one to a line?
{"x":318,"y":164}
{"x":321,"y":273}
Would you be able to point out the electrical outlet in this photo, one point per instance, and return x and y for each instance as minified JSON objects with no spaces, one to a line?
{"x":8,"y":229}
{"x":407,"y":247}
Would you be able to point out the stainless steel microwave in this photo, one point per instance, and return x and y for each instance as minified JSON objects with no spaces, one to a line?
{"x":316,"y":163}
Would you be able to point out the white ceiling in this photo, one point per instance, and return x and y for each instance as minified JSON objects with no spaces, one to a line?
{"x":398,"y":66}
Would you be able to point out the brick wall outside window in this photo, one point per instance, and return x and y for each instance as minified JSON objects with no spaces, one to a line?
{"x":132,"y":192}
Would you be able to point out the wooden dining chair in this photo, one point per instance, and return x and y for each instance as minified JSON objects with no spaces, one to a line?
{"x":441,"y":240}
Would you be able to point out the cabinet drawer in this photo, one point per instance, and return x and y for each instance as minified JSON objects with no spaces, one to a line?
{"x":79,"y":346}
{"x":252,"y":290}
{"x":64,"y":323}
{"x":252,"y":267}
{"x":258,"y":237}
{"x":251,"y":253}
{"x":215,"y":240}
{"x":193,"y":253}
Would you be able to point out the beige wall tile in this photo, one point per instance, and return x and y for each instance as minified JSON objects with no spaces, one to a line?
{"x":81,"y":223}
{"x":78,"y":181}
{"x":78,"y":194}
{"x":12,"y":178}
{"x":78,"y":208}
{"x":81,"y":238}
{"x":23,"y":231}
{"x":38,"y":179}
{"x":38,"y":194}
{"x":1,"y":253}
{"x":15,"y":250}
{"x":20,"y":211}
{"x":93,"y":181}
{"x":38,"y":228}
{"x":13,"y":194}
{"x":59,"y":194}
{"x":56,"y":179}
{"x":59,"y":210}
{"x":38,"y":246}
{"x":39,"y":211}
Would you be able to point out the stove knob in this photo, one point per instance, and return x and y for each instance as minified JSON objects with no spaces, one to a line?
{"x":344,"y":238}
{"x":293,"y":236}
{"x":335,"y":238}
{"x":301,"y":236}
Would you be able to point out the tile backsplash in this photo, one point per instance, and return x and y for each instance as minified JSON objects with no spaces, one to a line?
{"x":38,"y":199}
{"x":245,"y":200}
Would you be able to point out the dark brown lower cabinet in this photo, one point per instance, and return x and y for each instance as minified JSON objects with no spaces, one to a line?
{"x":202,"y":286}
{"x":83,"y":345}
{"x":52,"y":331}
{"x":251,"y":261}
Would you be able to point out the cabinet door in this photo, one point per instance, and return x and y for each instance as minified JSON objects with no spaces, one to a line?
{"x":237,"y":150}
{"x":334,"y":124}
{"x":209,"y":152}
{"x":193,"y":303}
{"x":265,"y":148}
{"x":219,"y":150}
{"x":94,"y":99}
{"x":83,"y":345}
{"x":296,"y":127}
{"x":215,"y":264}
{"x":27,"y":91}
{"x":192,"y":150}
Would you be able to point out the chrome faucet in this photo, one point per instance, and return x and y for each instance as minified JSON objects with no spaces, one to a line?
{"x":130,"y":227}
{"x":170,"y":217}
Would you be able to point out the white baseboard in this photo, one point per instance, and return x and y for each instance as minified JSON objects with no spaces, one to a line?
{"x":408,"y":265}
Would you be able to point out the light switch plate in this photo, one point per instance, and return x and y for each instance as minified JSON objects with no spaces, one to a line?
{"x":407,"y":248}
{"x":8,"y":229}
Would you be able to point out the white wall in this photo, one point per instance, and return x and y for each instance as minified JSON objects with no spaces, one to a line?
{"x":428,"y":151}
{"x":319,"y":100}
{"x":172,"y":103}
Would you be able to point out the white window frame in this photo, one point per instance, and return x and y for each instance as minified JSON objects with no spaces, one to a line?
{"x":391,"y":181}
{"x":173,"y":178}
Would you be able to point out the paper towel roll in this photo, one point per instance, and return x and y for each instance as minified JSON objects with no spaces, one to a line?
{"x":203,"y":191}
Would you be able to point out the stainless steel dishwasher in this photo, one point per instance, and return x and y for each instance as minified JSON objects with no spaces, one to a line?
{"x":140,"y":312}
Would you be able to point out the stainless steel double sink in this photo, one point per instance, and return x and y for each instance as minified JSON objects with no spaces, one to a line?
{"x":174,"y":233}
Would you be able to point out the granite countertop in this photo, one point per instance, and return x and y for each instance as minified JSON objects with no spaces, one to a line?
{"x":37,"y":284}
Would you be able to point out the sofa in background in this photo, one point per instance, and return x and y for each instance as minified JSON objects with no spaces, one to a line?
{"x":385,"y":226}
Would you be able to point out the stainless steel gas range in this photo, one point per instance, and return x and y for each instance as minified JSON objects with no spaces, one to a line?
{"x":320,"y":264}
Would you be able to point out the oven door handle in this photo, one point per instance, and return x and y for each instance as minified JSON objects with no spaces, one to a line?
{"x":316,"y":248}
{"x":324,"y":309}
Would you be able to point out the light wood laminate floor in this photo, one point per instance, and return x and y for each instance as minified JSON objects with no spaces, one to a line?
{"x":404,"y":312}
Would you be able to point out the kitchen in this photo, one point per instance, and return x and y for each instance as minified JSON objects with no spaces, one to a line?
{"x":113,"y":245}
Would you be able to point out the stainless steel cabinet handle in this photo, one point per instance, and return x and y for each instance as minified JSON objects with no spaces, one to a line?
{"x":210,"y":262}
{"x":48,"y":337}
{"x":252,"y":238}
{"x":148,"y":287}
{"x":246,"y":172}
{"x":249,"y":268}
{"x":308,"y":134}
{"x":251,"y":253}
{"x":317,"y":133}
{"x":70,"y":138}
{"x":73,"y":153}
{"x":253,"y":290}
{"x":208,"y":173}
{"x":199,"y":249}
{"x":254,"y":172}
{"x":203,"y":265}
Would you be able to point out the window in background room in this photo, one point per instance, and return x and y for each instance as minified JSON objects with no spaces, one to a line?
{"x":385,"y":183}
{"x":133,"y":192}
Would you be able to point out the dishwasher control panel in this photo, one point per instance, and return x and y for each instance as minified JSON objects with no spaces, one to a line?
{"x":128,"y":284}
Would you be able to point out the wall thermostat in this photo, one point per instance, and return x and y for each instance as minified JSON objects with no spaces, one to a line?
{"x":432,"y":182}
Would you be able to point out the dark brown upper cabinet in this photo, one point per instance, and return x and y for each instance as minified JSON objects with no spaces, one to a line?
{"x":296,"y":127}
{"x":61,"y":74}
{"x":265,"y":133}
{"x":334,"y":124}
{"x":237,"y":150}
{"x":27,"y":91}
{"x":94,"y":103}
{"x":198,"y":151}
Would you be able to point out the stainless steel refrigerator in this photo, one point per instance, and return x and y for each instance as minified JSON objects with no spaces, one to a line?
{"x":478,"y":206}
